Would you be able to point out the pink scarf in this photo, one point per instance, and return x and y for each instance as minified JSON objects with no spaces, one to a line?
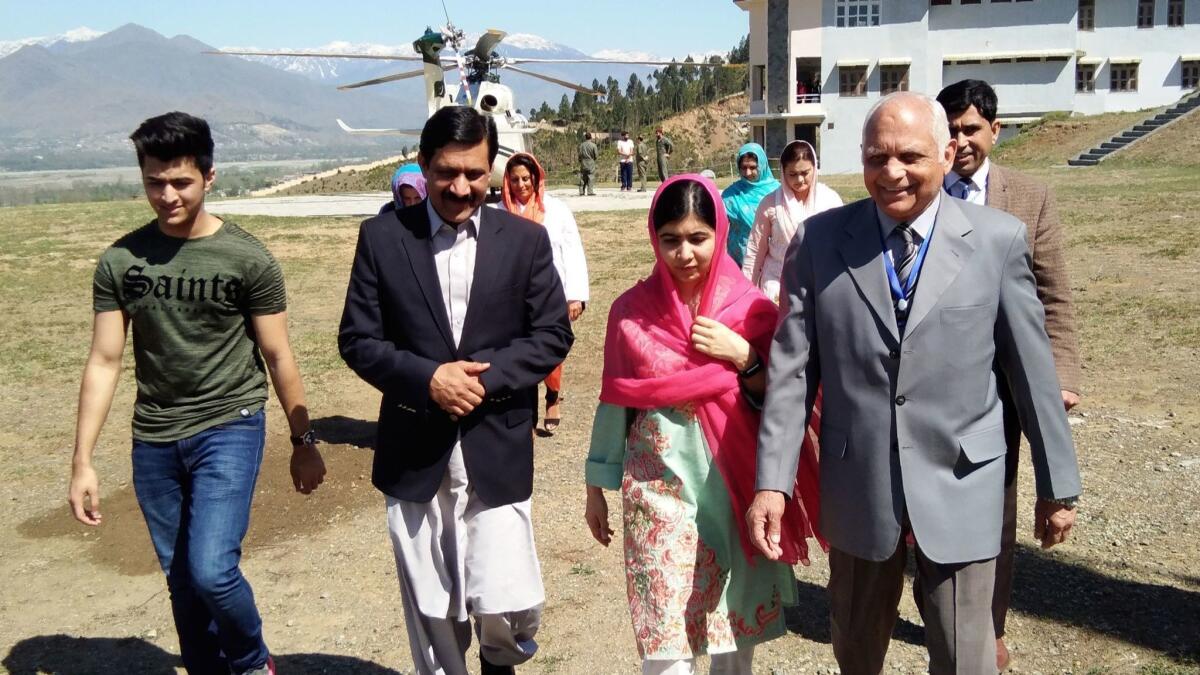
{"x":649,"y":362}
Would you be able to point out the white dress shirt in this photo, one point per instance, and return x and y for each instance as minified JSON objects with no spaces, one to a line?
{"x":454,"y":258}
{"x":976,"y":185}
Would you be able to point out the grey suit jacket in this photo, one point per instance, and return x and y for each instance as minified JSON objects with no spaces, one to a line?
{"x":913,"y":426}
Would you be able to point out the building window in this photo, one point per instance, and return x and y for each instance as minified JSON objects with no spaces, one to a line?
{"x":1190,"y":75}
{"x":758,"y":84}
{"x":1145,"y":15}
{"x":808,"y":81}
{"x":969,"y":2}
{"x":1087,"y":14}
{"x":1123,"y":77}
{"x":1085,"y":78}
{"x":852,"y":80}
{"x":1175,"y":13}
{"x":893,"y":79}
{"x":851,"y":13}
{"x":938,"y":2}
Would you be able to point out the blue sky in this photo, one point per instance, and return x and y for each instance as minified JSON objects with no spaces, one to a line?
{"x":664,"y":27}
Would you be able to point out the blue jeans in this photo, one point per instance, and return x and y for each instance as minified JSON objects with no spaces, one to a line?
{"x":195,"y":495}
{"x":626,"y":175}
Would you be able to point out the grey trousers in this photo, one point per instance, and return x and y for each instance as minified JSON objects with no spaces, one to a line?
{"x":864,"y":597}
{"x":439,"y":645}
{"x":587,"y":182}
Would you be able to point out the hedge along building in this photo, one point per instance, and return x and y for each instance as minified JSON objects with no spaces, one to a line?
{"x":816,"y":66}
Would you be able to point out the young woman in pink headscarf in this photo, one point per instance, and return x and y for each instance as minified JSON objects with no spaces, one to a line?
{"x":676,"y":432}
{"x":781,"y":216}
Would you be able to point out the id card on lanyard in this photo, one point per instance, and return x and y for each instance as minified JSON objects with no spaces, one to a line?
{"x":900,"y":292}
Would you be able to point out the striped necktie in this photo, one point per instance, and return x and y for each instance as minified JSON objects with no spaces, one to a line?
{"x":904,"y":253}
{"x":961,"y":189}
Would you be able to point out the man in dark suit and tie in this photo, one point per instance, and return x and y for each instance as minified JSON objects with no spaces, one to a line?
{"x":899,"y":306}
{"x":455,"y":313}
{"x":971,"y":110}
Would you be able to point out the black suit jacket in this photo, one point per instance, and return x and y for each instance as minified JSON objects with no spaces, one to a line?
{"x":395,"y":333}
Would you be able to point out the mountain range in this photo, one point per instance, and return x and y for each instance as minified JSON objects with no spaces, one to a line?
{"x":72,"y":100}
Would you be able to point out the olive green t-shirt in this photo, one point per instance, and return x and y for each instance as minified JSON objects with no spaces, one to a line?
{"x":189,"y":302}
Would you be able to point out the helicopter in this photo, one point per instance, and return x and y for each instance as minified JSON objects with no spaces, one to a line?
{"x":478,"y":84}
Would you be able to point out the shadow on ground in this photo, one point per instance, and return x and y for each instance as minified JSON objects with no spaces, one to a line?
{"x":122,"y":543}
{"x":1163,"y":618}
{"x":342,"y":430}
{"x":810,"y":618}
{"x":134,"y":656}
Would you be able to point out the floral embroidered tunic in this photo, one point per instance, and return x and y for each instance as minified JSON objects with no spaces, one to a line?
{"x":691,"y":589}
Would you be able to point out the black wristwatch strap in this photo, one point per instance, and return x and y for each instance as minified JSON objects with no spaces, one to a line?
{"x":752,"y":369}
{"x":307,"y":438}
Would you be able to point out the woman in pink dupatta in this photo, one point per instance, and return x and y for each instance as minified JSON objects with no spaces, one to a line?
{"x":676,"y":433}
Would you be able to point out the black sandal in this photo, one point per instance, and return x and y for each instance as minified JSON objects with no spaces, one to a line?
{"x":551,"y":424}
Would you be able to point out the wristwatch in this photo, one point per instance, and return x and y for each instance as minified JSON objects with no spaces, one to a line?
{"x":307,"y":438}
{"x":1069,"y":502}
{"x":752,"y":369}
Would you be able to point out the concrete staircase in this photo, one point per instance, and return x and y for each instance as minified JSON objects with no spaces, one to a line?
{"x":1097,"y":154}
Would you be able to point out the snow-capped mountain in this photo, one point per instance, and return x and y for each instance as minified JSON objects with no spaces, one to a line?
{"x":265,"y":106}
{"x":77,"y":101}
{"x":81,"y":34}
{"x":631,"y":55}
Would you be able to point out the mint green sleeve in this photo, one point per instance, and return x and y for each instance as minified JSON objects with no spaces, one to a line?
{"x":606,"y":457}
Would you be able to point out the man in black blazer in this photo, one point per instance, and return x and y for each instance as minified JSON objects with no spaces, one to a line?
{"x":455,"y":313}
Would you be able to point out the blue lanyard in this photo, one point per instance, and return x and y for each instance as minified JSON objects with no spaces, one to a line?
{"x":900,"y":293}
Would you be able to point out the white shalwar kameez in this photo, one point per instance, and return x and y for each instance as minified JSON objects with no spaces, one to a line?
{"x":456,"y":557}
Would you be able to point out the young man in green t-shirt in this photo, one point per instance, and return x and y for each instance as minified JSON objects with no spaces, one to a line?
{"x":207,"y":305}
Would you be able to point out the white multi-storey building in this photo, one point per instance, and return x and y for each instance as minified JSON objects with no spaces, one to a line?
{"x":816,"y":66}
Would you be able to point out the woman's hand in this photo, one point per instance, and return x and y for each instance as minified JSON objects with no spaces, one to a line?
{"x":717,"y":340}
{"x":596,"y":514}
{"x":574,"y":310}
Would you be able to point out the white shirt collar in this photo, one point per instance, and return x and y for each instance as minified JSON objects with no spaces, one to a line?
{"x":979,"y":180}
{"x":436,"y":222}
{"x":921,"y":225}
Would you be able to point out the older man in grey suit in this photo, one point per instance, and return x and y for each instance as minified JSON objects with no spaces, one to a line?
{"x":899,"y":305}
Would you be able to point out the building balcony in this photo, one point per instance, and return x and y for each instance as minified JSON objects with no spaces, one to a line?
{"x":801,"y":99}
{"x":809,"y":112}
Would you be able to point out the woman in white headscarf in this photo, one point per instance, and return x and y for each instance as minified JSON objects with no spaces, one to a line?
{"x":781,"y":216}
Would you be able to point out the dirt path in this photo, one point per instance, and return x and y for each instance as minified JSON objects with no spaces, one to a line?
{"x":1122,"y":597}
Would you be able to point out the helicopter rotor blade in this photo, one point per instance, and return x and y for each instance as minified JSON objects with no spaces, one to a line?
{"x":380,"y":80}
{"x":555,"y":80}
{"x":619,"y":62}
{"x":487,"y":43}
{"x":326,"y":55}
{"x":377,"y":132}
